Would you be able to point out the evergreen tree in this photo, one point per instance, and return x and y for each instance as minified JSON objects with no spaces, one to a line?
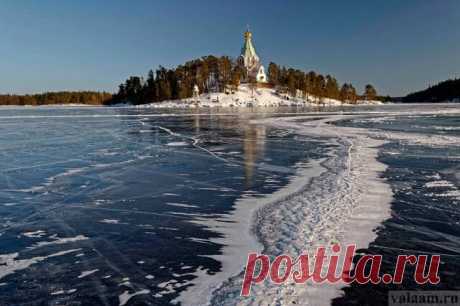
{"x":370,"y":93}
{"x":344,"y":93}
{"x":291,"y":83}
{"x":332,"y":87}
{"x":237,"y":76}
{"x":348,"y":94}
{"x":353,"y":95}
{"x":309,"y":85}
{"x":320,"y":87}
{"x":225,"y":70}
{"x":273,"y":73}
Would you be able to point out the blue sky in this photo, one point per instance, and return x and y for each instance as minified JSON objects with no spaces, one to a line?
{"x":398,"y":46}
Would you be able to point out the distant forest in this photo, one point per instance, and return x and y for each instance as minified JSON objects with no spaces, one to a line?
{"x":211,"y":73}
{"x":445,"y":91}
{"x":62,"y":97}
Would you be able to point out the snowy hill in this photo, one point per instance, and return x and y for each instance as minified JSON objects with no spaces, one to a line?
{"x":246,"y":97}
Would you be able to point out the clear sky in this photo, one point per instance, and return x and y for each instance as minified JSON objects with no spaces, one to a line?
{"x":397,"y":45}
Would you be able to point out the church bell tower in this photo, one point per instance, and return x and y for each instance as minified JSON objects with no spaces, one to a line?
{"x":250,"y":60}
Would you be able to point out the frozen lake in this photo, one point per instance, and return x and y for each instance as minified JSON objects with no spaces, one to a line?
{"x":126,"y":206}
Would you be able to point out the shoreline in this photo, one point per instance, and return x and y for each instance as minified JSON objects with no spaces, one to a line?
{"x":180,"y":106}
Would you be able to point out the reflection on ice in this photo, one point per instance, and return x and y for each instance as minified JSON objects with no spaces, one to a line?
{"x":253,"y":149}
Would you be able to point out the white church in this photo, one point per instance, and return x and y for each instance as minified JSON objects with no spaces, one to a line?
{"x":249,"y":60}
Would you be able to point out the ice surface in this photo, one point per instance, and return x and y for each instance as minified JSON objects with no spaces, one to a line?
{"x":131,"y":176}
{"x":9,"y":263}
{"x":57,"y":240}
{"x":344,"y":202}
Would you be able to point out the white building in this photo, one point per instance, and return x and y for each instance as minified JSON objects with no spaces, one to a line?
{"x":250,"y":61}
{"x":196,"y":91}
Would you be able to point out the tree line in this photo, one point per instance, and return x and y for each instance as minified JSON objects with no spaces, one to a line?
{"x":317,"y":85}
{"x":211,"y":73}
{"x":62,"y":97}
{"x":444,"y":91}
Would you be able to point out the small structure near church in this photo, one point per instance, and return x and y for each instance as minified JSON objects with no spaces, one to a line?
{"x":250,"y":61}
{"x":196,"y":91}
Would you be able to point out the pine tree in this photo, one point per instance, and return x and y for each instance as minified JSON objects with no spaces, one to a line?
{"x":225,"y":70}
{"x":309,"y":83}
{"x":353,"y":95}
{"x":273,"y":74}
{"x":237,"y":75}
{"x":291,"y":84}
{"x":332,"y":87}
{"x":320,"y":87}
{"x":370,"y":93}
{"x":344,"y":93}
